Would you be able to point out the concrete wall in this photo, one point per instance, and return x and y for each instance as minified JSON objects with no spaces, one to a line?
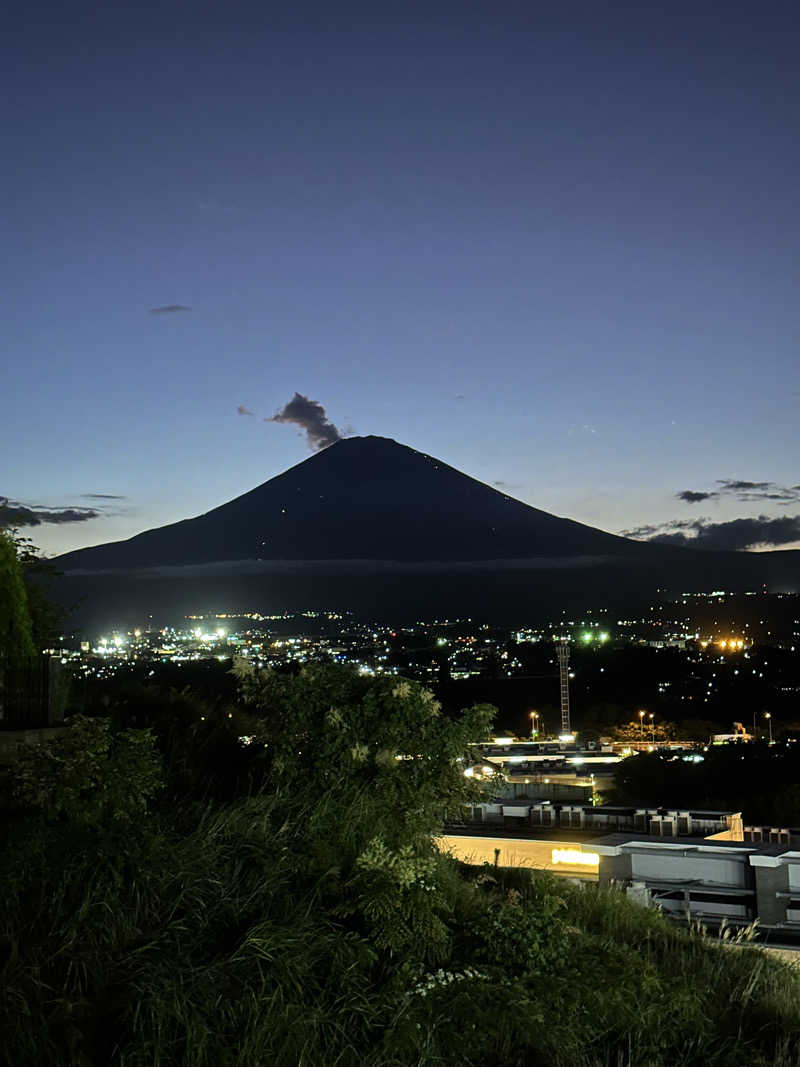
{"x":771,"y":881}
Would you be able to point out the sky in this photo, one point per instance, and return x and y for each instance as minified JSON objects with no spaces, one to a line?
{"x":553,"y":244}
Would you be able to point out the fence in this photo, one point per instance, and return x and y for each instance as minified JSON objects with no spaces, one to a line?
{"x":30,"y":694}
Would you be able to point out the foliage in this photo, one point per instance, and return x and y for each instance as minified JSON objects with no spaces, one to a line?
{"x":643,"y":732}
{"x":46,"y":615}
{"x":756,"y":779}
{"x":89,"y":774}
{"x":313,"y":922}
{"x":335,"y":738}
{"x":16,"y":635}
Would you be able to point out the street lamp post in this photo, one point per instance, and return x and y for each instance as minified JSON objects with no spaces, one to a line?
{"x":534,"y":716}
{"x":641,"y":725}
{"x":768,"y":717}
{"x":652,"y":728}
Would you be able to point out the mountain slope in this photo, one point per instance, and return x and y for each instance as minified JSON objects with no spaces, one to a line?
{"x":366,"y":498}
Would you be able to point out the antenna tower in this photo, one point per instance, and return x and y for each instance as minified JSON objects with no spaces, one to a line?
{"x":562,"y":649}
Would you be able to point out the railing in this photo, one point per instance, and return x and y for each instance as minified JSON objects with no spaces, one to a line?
{"x":26,"y":693}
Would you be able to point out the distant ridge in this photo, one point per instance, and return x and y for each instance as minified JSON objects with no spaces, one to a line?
{"x":366,"y":498}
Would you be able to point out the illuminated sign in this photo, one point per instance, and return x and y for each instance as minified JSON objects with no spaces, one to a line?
{"x":575,"y":856}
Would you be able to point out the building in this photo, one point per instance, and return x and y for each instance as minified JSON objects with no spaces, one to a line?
{"x":519,"y":814}
{"x":711,"y":880}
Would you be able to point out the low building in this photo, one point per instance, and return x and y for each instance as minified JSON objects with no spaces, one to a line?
{"x":711,"y":880}
{"x":519,"y":813}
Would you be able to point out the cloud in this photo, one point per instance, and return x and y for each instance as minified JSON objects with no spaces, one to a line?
{"x":692,"y":496}
{"x":13,"y":513}
{"x":743,"y":490}
{"x":311,"y":417}
{"x":242,"y":410}
{"x":507,"y":485}
{"x":169,"y":309}
{"x":102,"y":496}
{"x":649,"y":530}
{"x":737,"y":485}
{"x":736,"y":535}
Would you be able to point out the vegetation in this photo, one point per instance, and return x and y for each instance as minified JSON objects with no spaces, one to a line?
{"x":16,"y":633}
{"x":759,"y":780}
{"x":161,"y":908}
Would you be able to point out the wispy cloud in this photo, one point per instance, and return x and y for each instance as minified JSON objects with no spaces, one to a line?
{"x":693,"y":496}
{"x":242,"y":410}
{"x":102,"y":496}
{"x":13,"y":513}
{"x":312,"y":418}
{"x":735,"y":535}
{"x":746,"y":492}
{"x":169,"y":309}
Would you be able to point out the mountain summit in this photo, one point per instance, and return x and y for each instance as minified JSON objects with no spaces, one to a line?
{"x":363,"y":498}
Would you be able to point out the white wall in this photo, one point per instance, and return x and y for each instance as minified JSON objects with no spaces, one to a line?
{"x":671,"y":866}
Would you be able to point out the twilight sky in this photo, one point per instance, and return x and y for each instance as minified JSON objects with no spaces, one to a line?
{"x":553,"y":244}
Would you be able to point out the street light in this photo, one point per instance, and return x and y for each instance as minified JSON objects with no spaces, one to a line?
{"x":652,"y":728}
{"x":534,"y":715}
{"x":768,"y":717}
{"x":641,"y":725}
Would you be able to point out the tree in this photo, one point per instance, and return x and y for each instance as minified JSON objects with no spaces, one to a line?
{"x":90,"y":775}
{"x":47,"y":616}
{"x":16,"y":632}
{"x":367,"y":770}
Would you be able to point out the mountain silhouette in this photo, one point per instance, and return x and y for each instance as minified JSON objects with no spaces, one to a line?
{"x":366,"y":498}
{"x":374,"y":527}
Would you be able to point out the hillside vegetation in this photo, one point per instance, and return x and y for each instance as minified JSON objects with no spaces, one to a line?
{"x":257,"y":884}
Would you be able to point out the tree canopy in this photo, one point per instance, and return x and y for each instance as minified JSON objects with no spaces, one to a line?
{"x":16,"y":633}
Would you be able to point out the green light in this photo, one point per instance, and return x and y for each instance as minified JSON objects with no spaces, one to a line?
{"x":603,"y":637}
{"x":587,"y":637}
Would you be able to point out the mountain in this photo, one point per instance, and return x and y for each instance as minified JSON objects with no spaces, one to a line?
{"x":366,"y":498}
{"x":375,"y":527}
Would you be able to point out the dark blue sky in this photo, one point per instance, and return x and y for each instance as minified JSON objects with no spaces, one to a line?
{"x":555,"y":245}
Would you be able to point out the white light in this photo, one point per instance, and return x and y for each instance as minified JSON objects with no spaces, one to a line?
{"x":576,"y":857}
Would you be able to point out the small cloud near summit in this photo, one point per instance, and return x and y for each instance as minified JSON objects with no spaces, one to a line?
{"x":242,"y":410}
{"x":312,"y":418}
{"x":169,"y":309}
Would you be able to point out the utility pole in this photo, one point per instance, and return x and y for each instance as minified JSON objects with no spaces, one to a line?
{"x":562,"y":649}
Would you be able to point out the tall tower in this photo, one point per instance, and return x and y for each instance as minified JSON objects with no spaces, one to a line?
{"x":562,"y":648}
